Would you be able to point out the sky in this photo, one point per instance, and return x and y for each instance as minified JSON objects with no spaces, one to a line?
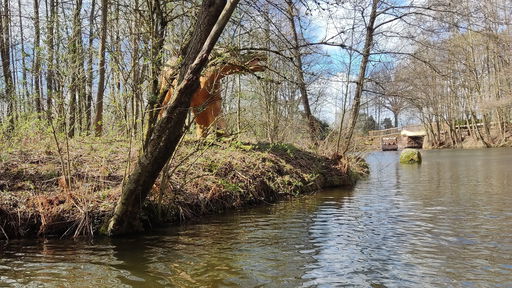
{"x":343,"y":24}
{"x":320,"y":25}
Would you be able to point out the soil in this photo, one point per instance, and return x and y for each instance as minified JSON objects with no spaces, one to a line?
{"x":204,"y":177}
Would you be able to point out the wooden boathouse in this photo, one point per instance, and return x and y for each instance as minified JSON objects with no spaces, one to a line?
{"x":413,"y":139}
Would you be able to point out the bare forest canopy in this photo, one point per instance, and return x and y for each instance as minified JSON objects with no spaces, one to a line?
{"x":94,"y":65}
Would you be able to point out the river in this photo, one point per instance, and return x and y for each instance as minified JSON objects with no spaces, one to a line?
{"x":446,"y":222}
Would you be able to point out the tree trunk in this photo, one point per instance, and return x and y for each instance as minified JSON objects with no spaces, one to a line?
{"x":362,"y":73}
{"x":82,"y":93}
{"x":88,"y":101}
{"x":98,"y":120}
{"x":116,"y":93}
{"x":347,"y":86}
{"x":157,"y":44}
{"x":6,"y":62}
{"x":477,"y":129}
{"x":313,"y":133}
{"x":24,"y":80}
{"x":75,"y":62}
{"x":136,"y":89}
{"x":50,"y":87}
{"x":58,"y":77}
{"x":12,"y":48}
{"x":212,"y":19}
{"x":37,"y":60}
{"x":80,"y":62}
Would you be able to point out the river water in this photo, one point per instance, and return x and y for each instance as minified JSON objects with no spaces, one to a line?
{"x":446,"y":222}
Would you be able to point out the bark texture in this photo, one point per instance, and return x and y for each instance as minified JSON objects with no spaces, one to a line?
{"x":98,"y":120}
{"x":213,"y":17}
{"x":301,"y":82}
{"x":362,"y":73}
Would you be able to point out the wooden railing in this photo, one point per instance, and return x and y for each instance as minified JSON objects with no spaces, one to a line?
{"x":384,"y":132}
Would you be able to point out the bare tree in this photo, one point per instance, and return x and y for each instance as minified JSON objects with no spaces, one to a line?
{"x":158,"y":24}
{"x":50,"y":48}
{"x":24,"y":81}
{"x":370,"y":29}
{"x":5,"y":53}
{"x":300,"y":74}
{"x":212,"y":19}
{"x":98,"y":120}
{"x":75,"y":43}
{"x":88,"y":101}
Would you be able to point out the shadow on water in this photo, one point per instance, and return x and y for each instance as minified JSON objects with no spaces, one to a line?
{"x":443,"y":223}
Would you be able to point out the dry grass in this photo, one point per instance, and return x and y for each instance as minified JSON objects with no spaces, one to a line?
{"x":203,"y":177}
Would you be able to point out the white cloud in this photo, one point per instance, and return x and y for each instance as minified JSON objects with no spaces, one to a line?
{"x":343,"y":23}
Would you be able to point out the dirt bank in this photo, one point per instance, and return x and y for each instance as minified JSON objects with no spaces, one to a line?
{"x":202,"y":178}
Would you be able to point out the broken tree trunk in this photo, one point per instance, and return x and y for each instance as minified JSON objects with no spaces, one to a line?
{"x":212,"y":19}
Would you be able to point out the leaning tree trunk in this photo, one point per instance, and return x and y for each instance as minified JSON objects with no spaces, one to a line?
{"x":212,"y":19}
{"x":362,"y":72}
{"x":313,"y":133}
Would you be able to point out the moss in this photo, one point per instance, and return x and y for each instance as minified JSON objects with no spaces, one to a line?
{"x":103,"y":230}
{"x":230,"y":187}
{"x":212,"y":167}
{"x":289,"y":149}
{"x":241,"y":146}
{"x":212,"y":176}
{"x":410,"y":156}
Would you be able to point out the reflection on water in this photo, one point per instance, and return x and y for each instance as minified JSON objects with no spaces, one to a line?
{"x":444,"y":223}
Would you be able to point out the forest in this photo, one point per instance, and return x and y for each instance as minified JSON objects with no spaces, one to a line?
{"x":86,"y":88}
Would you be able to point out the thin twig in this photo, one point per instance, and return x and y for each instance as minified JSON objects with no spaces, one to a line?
{"x":5,"y":234}
{"x":59,"y":150}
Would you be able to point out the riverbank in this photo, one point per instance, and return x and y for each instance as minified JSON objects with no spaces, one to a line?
{"x":204,"y":177}
{"x":373,"y":143}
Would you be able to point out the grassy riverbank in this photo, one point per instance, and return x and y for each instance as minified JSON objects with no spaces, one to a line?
{"x":203,"y":177}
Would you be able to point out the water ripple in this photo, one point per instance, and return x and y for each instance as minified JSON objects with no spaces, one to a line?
{"x":444,"y":223}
